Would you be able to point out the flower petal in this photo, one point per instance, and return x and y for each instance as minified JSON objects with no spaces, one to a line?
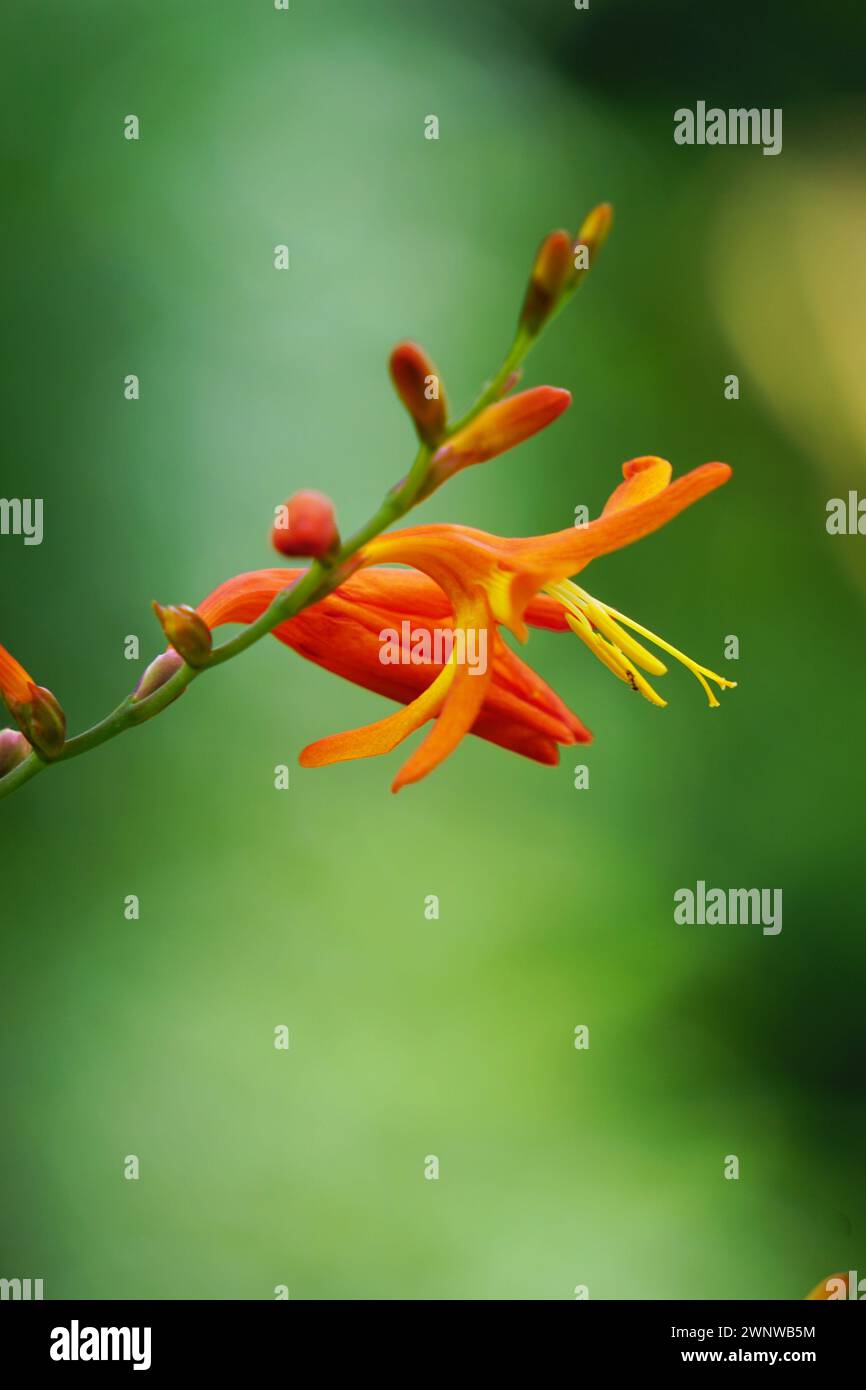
{"x":644,"y":477}
{"x":565,"y":553}
{"x":459,"y":712}
{"x":372,"y":739}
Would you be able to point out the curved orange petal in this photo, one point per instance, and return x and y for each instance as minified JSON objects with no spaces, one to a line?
{"x":644,"y":477}
{"x":384,"y":735}
{"x":566,"y":552}
{"x":517,"y":738}
{"x":244,"y":597}
{"x":458,"y":715}
{"x":461,"y":708}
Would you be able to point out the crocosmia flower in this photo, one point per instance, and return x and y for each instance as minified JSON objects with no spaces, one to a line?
{"x":475,"y":582}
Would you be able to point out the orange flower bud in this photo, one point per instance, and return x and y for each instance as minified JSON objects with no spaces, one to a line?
{"x":497,"y":428}
{"x":590,"y":239}
{"x":160,"y":670}
{"x":305,"y":525}
{"x":187,"y":632}
{"x":14,"y":680}
{"x":43,"y":721}
{"x":550,"y":274}
{"x":14,"y":748}
{"x":417,"y":383}
{"x":36,"y":710}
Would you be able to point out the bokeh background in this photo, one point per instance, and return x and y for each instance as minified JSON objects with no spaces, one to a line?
{"x":305,"y":907}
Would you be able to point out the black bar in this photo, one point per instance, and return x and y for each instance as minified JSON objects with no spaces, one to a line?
{"x":226,"y":1338}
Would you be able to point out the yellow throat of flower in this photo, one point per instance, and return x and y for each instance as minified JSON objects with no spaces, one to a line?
{"x":603,"y":630}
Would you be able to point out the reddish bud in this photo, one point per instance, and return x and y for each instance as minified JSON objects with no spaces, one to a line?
{"x":160,"y":670}
{"x":305,"y":525}
{"x":187,"y":632}
{"x":42,"y":719}
{"x":417,"y":383}
{"x":498,"y":428}
{"x":14,"y":748}
{"x":550,"y":275}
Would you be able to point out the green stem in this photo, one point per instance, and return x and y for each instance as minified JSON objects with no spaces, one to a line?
{"x":22,"y":773}
{"x":514,"y":358}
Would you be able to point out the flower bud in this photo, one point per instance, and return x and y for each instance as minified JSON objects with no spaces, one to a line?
{"x":14,"y":681}
{"x":417,"y":383}
{"x":305,"y":525}
{"x":499,"y":427}
{"x":160,"y":670}
{"x":43,"y":721}
{"x":187,"y":632}
{"x":14,"y":748}
{"x":550,"y":274}
{"x":36,"y":710}
{"x":590,"y":239}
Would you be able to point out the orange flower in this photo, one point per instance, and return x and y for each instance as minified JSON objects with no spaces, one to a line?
{"x":484,"y":581}
{"x":342,"y":634}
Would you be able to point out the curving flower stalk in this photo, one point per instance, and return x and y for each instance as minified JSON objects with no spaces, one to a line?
{"x":462,"y":580}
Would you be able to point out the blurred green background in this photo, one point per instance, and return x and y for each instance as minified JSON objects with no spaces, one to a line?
{"x":305,"y":908}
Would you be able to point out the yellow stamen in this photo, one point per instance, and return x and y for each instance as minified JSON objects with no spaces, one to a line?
{"x":611,"y":656}
{"x":598,"y":625}
{"x":600,"y":619}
